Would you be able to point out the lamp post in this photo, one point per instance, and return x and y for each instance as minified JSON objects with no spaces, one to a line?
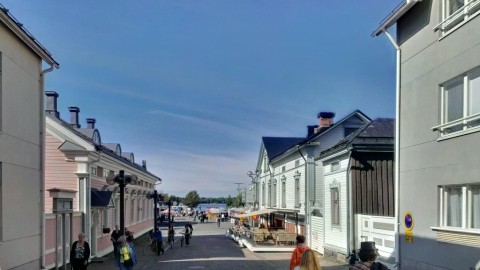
{"x":254,"y":176}
{"x":156,"y":198}
{"x":122,"y":180}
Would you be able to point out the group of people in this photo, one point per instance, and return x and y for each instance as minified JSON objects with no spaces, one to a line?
{"x":125,"y":256}
{"x":123,"y":248}
{"x":303,"y":258}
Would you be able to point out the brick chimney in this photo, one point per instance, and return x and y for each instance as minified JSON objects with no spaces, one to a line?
{"x":74,"y":116}
{"x":325,"y":119}
{"x":52,"y":103}
{"x":91,"y":123}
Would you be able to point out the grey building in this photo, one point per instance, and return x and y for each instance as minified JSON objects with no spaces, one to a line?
{"x":437,"y":150}
{"x":21,"y":144}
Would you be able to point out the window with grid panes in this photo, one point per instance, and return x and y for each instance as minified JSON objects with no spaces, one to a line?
{"x":461,"y":103}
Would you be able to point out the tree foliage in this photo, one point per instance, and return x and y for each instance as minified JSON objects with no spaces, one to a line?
{"x":192,"y":199}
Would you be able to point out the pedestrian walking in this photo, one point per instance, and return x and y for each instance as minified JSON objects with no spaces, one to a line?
{"x":298,"y":251}
{"x":309,"y":261}
{"x":80,"y":253}
{"x":127,"y":257}
{"x":218,"y":221}
{"x":157,"y":235}
{"x":114,"y":238}
{"x":368,"y":254}
{"x":129,"y":235}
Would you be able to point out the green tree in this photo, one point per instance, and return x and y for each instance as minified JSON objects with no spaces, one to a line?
{"x":192,"y":199}
{"x":238,"y":200}
{"x":229,"y":201}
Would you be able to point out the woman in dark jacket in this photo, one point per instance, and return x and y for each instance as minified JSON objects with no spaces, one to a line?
{"x":80,"y":253}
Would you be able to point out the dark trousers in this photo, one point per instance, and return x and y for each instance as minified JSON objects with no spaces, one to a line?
{"x":187,"y":239}
{"x":159,"y":247}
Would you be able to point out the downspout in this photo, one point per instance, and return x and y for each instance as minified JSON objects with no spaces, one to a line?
{"x":397,"y":151}
{"x":88,"y":208}
{"x":350,"y":217}
{"x":306,"y":198}
{"x":42,"y":164}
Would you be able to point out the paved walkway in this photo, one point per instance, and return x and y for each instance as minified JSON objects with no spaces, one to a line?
{"x":209,"y":249}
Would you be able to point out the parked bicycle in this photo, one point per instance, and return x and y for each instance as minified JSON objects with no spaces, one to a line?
{"x":185,"y":240}
{"x":151,"y":248}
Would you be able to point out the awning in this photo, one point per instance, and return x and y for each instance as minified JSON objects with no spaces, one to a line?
{"x":255,"y":213}
{"x":101,"y":199}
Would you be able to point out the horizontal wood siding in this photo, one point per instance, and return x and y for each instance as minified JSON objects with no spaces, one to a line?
{"x":318,"y":234}
{"x":58,"y":172}
{"x":336,"y":235}
{"x":372,"y":183}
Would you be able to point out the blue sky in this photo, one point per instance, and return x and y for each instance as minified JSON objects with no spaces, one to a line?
{"x":192,"y":86}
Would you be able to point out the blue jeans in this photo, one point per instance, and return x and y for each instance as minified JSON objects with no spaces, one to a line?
{"x":123,"y":267}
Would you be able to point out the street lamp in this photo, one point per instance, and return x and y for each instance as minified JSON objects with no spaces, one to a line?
{"x":254,"y":176}
{"x":122,"y":180}
{"x":156,"y":198}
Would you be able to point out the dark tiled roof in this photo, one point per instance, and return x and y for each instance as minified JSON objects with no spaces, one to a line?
{"x":111,"y":146}
{"x":277,"y":145}
{"x":83,"y":133}
{"x":324,"y":129}
{"x":100,"y":198}
{"x":378,"y":132}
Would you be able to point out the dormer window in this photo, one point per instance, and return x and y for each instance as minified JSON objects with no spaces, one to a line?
{"x":118,"y":150}
{"x":96,"y":137}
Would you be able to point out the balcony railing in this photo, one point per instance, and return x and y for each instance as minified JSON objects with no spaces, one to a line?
{"x":459,"y":125}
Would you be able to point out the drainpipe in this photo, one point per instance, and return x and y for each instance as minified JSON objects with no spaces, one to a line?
{"x":88,"y":209}
{"x":397,"y":152}
{"x":42,"y":164}
{"x":306,"y":193}
{"x":350,"y":217}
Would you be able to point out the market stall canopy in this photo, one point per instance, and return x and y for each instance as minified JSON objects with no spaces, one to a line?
{"x":256,"y":213}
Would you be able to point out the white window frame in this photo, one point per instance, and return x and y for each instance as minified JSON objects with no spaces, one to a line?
{"x":467,"y":207}
{"x":284,"y":191}
{"x":263,"y":194}
{"x":468,"y":116}
{"x":297,"y":189}
{"x":93,"y":170}
{"x":335,"y":166}
{"x":269,"y":193}
{"x":335,"y":186}
{"x":451,"y":22}
{"x":274,"y":193}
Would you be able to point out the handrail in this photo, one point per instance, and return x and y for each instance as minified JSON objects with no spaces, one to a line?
{"x":463,"y":121}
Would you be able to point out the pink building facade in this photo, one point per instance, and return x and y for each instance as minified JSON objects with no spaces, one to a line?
{"x":77,"y":163}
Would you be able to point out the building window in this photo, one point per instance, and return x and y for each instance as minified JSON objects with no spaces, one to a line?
{"x":105,"y":218}
{"x":297,"y":163}
{"x":269,"y":193}
{"x":132,"y":211}
{"x":335,"y":166}
{"x":335,"y":204}
{"x":456,"y":12}
{"x":284,"y":194}
{"x":460,"y":206}
{"x":100,"y":171}
{"x":265,"y":164}
{"x":93,"y":170}
{"x":460,"y":99}
{"x":263,"y":194}
{"x":297,"y":189}
{"x":274,"y":193}
{"x":283,"y":168}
